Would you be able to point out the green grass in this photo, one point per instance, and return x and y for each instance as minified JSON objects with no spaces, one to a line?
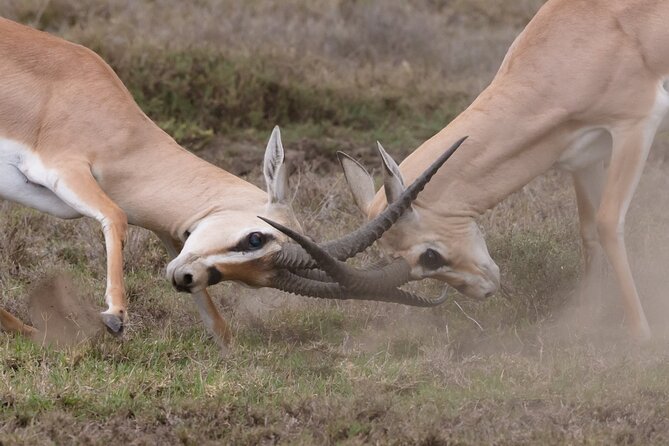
{"x":304,"y":392}
{"x":508,"y":370}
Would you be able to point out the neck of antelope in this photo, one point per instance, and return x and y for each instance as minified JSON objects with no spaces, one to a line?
{"x":512,"y":139}
{"x":164,"y":188}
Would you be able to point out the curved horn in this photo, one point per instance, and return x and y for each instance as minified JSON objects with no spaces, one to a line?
{"x":292,"y":257}
{"x":313,"y":274}
{"x":291,"y":283}
{"x":394,"y":274}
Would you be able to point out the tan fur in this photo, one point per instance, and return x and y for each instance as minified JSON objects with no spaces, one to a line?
{"x":579,"y":65}
{"x":106,"y":159}
{"x":11,"y":324}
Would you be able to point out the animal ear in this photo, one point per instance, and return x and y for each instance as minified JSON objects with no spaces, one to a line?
{"x":274,"y":169}
{"x":393,"y":184}
{"x":359,"y":181}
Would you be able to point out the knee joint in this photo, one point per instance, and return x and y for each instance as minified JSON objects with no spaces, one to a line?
{"x":609,"y":229}
{"x":117,"y":222}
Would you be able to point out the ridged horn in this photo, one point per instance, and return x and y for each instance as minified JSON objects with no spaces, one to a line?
{"x":379,"y":284}
{"x":286,"y":281}
{"x":293,"y":257}
{"x":394,"y":274}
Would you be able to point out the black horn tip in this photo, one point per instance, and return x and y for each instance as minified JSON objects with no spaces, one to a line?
{"x":419,"y":184}
{"x":304,"y":241}
{"x":446,"y":155}
{"x":278,"y":226}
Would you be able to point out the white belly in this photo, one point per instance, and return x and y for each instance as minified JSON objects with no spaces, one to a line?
{"x":591,"y":146}
{"x":664,"y":121}
{"x":14,"y":186}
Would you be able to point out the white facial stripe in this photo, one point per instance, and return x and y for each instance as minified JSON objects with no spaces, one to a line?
{"x":233,"y":237}
{"x":247,"y":230}
{"x":236,"y":257}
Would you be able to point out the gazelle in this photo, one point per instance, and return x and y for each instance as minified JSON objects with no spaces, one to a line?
{"x":74,"y":143}
{"x":583,"y":85}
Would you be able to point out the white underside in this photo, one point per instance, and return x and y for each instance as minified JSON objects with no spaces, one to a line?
{"x":15,"y":160}
{"x":595,"y":144}
{"x":591,"y":146}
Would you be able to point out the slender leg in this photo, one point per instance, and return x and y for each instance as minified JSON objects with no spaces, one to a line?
{"x":630,"y":150}
{"x":216,"y":325}
{"x":212,"y":319}
{"x":11,"y":324}
{"x":77,"y":187}
{"x":588,"y":184}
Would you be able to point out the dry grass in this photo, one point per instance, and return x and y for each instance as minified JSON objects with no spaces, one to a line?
{"x":511,"y":370}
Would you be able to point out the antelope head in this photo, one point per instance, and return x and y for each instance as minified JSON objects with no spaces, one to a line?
{"x":230,"y":242}
{"x":433,"y":245}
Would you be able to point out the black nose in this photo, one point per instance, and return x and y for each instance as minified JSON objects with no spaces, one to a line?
{"x":182,"y":281}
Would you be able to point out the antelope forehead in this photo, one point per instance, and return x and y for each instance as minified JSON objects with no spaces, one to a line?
{"x":234,"y":257}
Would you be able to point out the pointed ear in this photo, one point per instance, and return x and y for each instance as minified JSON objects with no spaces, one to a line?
{"x":393,"y":183}
{"x":274,"y":169}
{"x":359,"y":181}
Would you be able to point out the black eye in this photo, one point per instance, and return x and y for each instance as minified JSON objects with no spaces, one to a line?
{"x":253,"y":242}
{"x":186,"y":235}
{"x":431,"y":259}
{"x":256,"y":240}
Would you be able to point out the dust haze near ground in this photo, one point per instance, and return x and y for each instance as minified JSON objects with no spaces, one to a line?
{"x":528,"y":366}
{"x":60,"y":314}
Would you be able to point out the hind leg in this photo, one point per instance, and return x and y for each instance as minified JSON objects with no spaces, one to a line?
{"x":588,"y":183}
{"x":11,"y":324}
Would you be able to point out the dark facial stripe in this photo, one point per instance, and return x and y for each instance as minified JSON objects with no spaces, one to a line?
{"x":213,"y":276}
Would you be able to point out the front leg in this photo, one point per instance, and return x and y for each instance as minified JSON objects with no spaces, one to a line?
{"x":630,"y":149}
{"x":77,"y":187}
{"x":216,"y":325}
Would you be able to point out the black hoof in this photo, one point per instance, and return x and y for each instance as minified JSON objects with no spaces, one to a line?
{"x":114,"y":324}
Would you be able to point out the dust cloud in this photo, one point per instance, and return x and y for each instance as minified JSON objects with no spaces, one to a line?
{"x":61,"y":315}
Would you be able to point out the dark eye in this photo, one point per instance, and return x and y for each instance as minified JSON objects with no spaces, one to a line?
{"x":186,"y":235}
{"x":253,"y":242}
{"x":431,"y":259}
{"x":256,"y":240}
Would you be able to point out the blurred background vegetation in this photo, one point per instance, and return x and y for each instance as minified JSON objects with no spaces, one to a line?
{"x":344,"y":68}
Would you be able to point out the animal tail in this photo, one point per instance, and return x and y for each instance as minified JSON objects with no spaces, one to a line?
{"x":12,"y":324}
